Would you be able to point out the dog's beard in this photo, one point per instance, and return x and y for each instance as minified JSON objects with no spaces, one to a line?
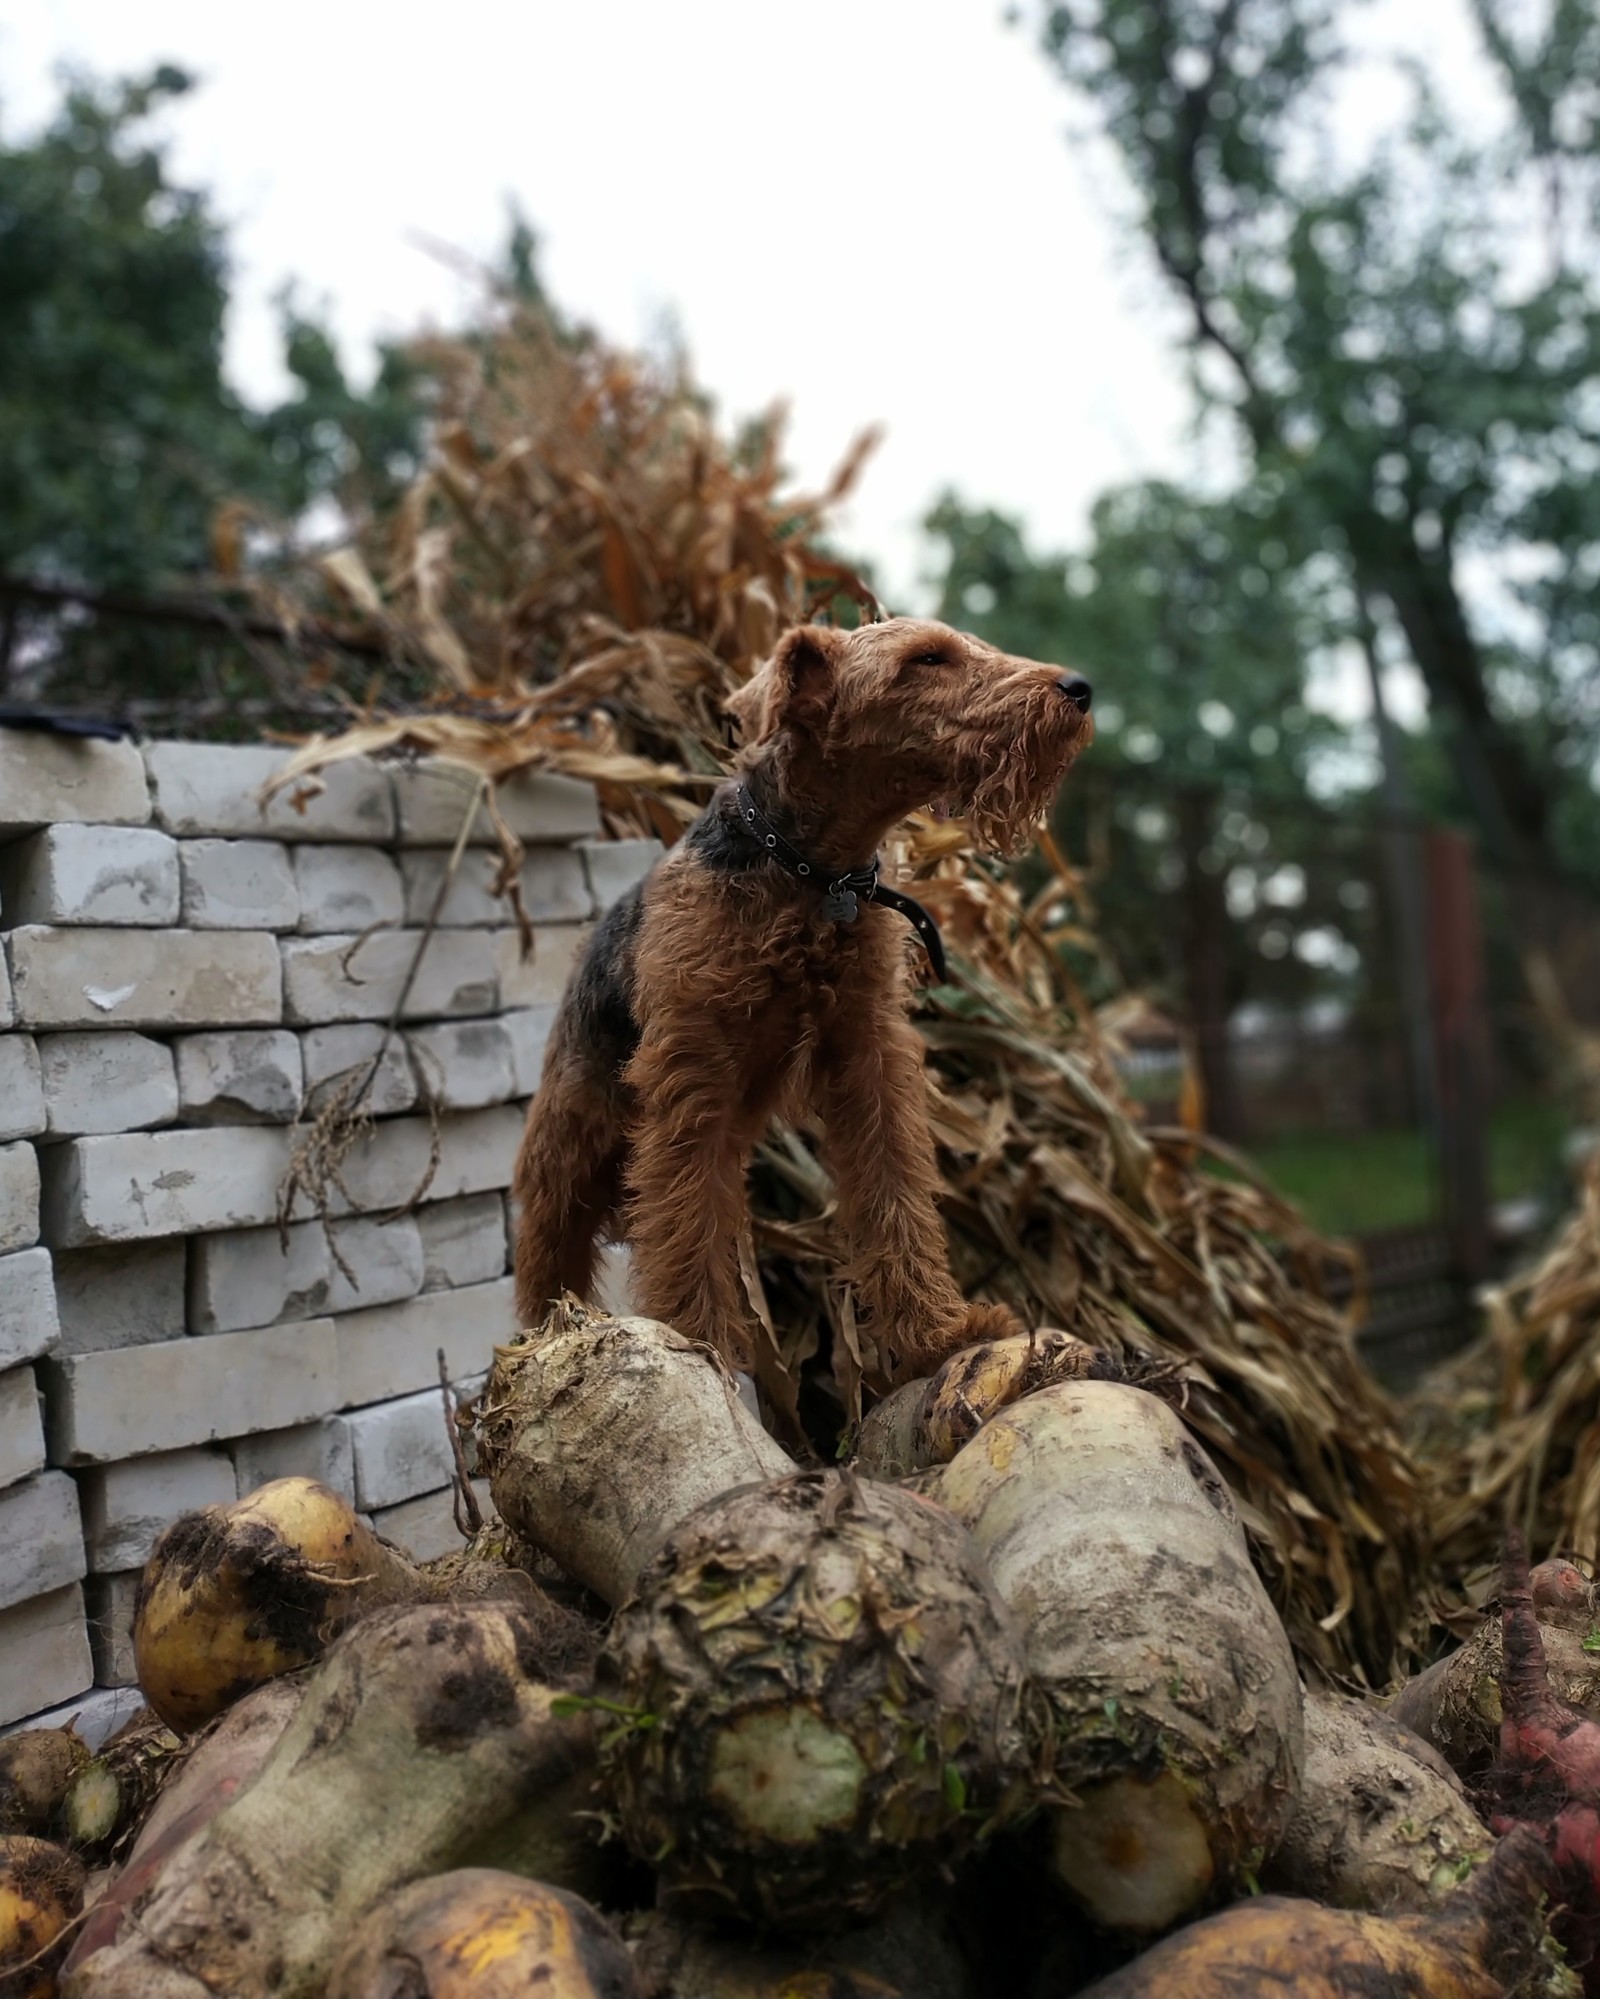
{"x":1004,"y":803}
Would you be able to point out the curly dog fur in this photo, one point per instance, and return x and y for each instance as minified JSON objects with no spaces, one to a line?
{"x":718,"y":993}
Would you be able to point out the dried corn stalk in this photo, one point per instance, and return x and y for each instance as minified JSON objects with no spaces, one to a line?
{"x":581,"y":576}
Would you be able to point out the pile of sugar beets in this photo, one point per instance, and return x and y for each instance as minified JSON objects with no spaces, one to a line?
{"x":1000,"y":1710}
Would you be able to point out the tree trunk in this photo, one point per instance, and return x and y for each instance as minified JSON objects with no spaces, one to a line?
{"x":1509,"y":800}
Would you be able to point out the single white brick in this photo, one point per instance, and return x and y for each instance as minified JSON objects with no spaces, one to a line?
{"x":382,"y":1259}
{"x":41,"y":1537}
{"x":19,"y":1196}
{"x":541,"y":979}
{"x":325,"y":979}
{"x":463,"y":1065}
{"x":108,"y":1603}
{"x":125,"y":1506}
{"x":106,"y":1081}
{"x":95,"y":1717}
{"x":471,"y":900}
{"x":145,"y":978}
{"x":255,"y":1277}
{"x":125,"y":1404}
{"x":347,"y":888}
{"x":240,"y":1078}
{"x":463,"y":1242}
{"x":401,"y":1449}
{"x":536,"y":805}
{"x":210,"y":788}
{"x":393,"y":1350}
{"x":394,"y":1164}
{"x":237,"y":885}
{"x":45,"y":779}
{"x":29,"y":1323}
{"x":332,"y":1054}
{"x":44,"y":1647}
{"x":309,"y":1450}
{"x":425,"y":1529}
{"x":154,"y":1183}
{"x":614,"y":866}
{"x":125,"y":1296}
{"x":529,"y":1029}
{"x":21,"y":1087}
{"x":555,"y":888}
{"x":91,"y":874}
{"x":21,"y":1429}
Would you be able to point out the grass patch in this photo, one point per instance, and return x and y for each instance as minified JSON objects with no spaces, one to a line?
{"x":1349,"y":1182}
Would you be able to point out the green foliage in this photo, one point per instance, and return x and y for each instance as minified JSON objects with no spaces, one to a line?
{"x":119,"y":435}
{"x":1183,"y":613}
{"x":1403,"y":344}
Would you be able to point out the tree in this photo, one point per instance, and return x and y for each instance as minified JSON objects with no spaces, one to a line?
{"x":120,"y":437}
{"x":1415,"y":400}
{"x":1182,"y":611}
{"x":1196,"y":806}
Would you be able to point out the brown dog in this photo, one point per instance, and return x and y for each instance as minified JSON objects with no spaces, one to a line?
{"x":757,"y":971}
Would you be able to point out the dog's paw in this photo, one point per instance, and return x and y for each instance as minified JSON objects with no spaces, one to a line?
{"x":986,"y":1322}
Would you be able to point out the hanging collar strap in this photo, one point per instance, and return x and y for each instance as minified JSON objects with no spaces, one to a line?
{"x":842,"y":894}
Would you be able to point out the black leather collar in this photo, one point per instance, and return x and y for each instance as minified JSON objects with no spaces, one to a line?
{"x":842,"y":894}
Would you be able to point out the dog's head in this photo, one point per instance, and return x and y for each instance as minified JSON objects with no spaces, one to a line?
{"x":926,"y":713}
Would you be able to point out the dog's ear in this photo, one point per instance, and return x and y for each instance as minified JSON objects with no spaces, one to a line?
{"x":795,"y":685}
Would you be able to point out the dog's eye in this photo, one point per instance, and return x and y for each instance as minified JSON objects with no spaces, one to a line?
{"x":931,"y":658}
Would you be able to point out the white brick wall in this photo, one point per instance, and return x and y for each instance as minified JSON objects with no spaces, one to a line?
{"x":181,"y":990}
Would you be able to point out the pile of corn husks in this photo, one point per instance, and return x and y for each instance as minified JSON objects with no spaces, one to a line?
{"x":577,"y":579}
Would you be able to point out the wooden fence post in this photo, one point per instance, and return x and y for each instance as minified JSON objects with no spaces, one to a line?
{"x":1461,"y":1047}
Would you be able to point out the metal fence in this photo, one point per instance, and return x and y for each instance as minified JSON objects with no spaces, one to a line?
{"x":1353,"y":992}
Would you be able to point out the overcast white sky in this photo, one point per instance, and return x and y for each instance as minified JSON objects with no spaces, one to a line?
{"x":866,"y":205}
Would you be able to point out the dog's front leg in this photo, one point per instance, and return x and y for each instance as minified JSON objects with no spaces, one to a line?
{"x":878,"y":1146}
{"x":692,"y":1135}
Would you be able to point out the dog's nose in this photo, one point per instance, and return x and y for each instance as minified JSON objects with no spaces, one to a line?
{"x":1077,"y":690}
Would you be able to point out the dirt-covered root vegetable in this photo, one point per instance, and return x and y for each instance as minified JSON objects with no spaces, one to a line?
{"x":234,"y":1595}
{"x":1546,"y":1777}
{"x":37,"y":1767}
{"x":41,"y":1891}
{"x":1176,"y":1707}
{"x":1487,"y":1941}
{"x":926,"y":1422}
{"x":825,"y":1697}
{"x":598,"y":1435}
{"x":479,"y":1934}
{"x":212,"y":1768}
{"x":417,"y":1734}
{"x":1454,"y":1704}
{"x":109,"y":1795}
{"x":1381,"y":1823}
